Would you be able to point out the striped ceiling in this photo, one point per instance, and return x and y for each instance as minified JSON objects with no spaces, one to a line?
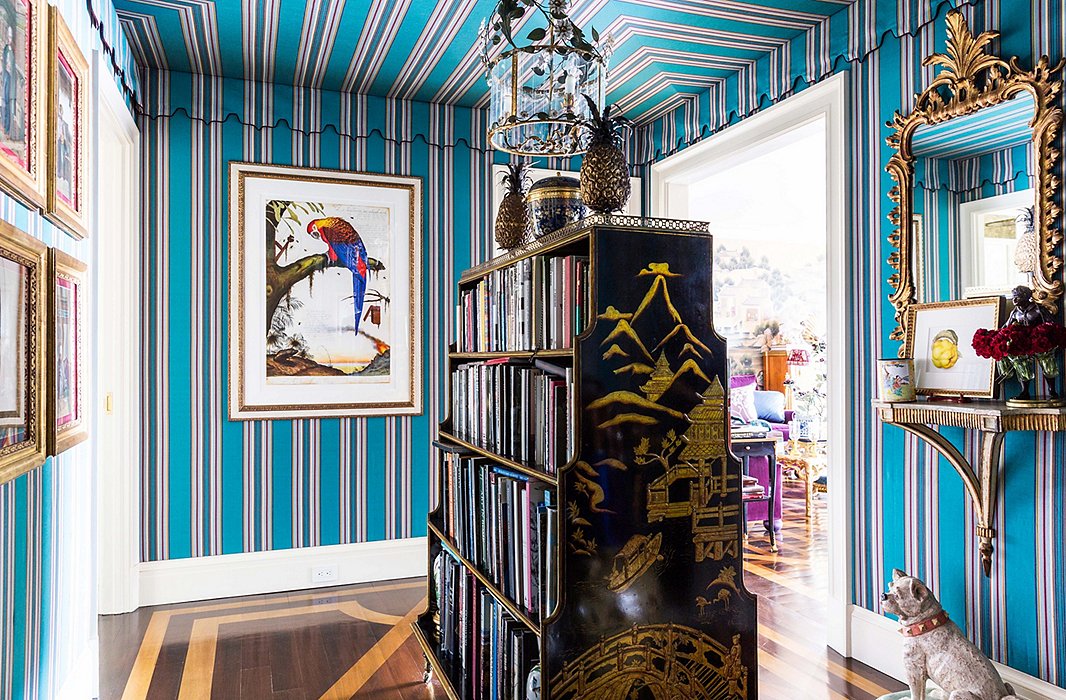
{"x":666,"y":51}
{"x":991,"y":129}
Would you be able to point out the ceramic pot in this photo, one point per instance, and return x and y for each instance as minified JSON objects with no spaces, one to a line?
{"x":555,"y":202}
{"x":895,"y":378}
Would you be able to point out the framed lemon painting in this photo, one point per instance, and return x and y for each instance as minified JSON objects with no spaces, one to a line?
{"x":940,"y":340}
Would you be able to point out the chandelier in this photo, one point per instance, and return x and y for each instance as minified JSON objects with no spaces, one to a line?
{"x":536,"y":106}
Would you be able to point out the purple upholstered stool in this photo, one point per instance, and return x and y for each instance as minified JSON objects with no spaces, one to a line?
{"x":759,"y":467}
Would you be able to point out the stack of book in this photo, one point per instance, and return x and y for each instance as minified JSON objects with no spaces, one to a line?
{"x":517,"y":409}
{"x":748,"y":432}
{"x":753,"y":490}
{"x":509,"y":652}
{"x":487,"y":651}
{"x":503,"y":523}
{"x":538,"y":303}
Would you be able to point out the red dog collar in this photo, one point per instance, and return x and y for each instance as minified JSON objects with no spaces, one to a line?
{"x":920,"y":628}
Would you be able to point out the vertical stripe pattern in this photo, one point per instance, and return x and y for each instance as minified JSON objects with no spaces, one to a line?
{"x":47,"y":526}
{"x":300,"y":483}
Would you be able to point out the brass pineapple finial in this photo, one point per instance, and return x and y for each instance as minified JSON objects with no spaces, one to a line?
{"x":605,"y":184}
{"x":513,"y":222}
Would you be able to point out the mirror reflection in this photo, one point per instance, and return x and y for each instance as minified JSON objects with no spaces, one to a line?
{"x":973,"y":203}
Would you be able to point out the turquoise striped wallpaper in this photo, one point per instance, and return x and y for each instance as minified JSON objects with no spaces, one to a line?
{"x":47,"y":599}
{"x":212,"y":486}
{"x":910,"y":508}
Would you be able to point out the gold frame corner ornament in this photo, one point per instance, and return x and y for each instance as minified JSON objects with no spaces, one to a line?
{"x":972,"y":79}
{"x":73,"y":219}
{"x":23,"y":249}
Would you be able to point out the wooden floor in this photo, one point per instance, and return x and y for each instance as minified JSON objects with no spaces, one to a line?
{"x":355,"y":641}
{"x":792,"y":586}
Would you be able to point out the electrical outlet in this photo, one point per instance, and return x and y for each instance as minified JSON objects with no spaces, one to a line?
{"x":321,"y":574}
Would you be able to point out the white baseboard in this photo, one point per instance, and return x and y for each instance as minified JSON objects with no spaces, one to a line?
{"x":228,"y":575}
{"x":876,"y":641}
{"x":83,"y":681}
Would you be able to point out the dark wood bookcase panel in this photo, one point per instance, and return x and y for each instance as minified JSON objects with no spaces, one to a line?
{"x":649,"y":601}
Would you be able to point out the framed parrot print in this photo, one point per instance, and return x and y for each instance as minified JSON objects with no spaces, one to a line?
{"x":325,"y":293}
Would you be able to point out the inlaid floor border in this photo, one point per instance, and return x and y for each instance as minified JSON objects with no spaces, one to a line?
{"x":198,"y":673}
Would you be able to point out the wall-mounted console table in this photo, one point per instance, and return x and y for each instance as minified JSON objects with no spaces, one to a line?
{"x":993,"y":419}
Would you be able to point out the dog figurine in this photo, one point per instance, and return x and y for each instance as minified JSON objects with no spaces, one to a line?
{"x":936,"y":649}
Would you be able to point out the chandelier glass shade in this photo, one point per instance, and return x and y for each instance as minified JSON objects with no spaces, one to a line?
{"x":536,"y":90}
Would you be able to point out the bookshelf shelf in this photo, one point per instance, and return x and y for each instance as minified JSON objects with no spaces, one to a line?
{"x":630,"y":556}
{"x":502,"y":599}
{"x":502,"y":461}
{"x":524,"y":354}
{"x":428,"y":644}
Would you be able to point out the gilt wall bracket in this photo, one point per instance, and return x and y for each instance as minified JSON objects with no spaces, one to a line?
{"x":992,"y":420}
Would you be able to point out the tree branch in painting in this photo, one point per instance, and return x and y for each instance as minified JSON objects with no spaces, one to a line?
{"x":281,"y":278}
{"x":290,"y":356}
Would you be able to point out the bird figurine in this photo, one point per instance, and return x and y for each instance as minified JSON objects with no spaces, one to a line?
{"x":344,"y":244}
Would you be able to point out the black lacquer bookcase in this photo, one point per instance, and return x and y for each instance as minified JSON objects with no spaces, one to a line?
{"x":647,"y":597}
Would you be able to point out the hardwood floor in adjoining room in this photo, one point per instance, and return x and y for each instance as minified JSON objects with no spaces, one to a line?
{"x":355,"y":641}
{"x":792,"y":586}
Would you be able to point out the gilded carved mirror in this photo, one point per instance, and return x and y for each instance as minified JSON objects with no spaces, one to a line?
{"x":975,"y":167}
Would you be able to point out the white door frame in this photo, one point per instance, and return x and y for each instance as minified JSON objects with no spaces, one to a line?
{"x":117,"y":340}
{"x":669,"y":178}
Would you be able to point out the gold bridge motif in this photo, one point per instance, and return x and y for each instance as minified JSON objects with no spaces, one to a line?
{"x":656,"y":661}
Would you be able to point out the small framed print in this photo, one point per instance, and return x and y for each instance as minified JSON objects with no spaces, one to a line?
{"x":23,"y":267}
{"x":65,"y":366}
{"x":67,"y":129}
{"x":940,"y":340}
{"x":23,"y":99}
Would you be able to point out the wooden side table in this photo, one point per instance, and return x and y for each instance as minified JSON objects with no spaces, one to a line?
{"x":765,"y":446}
{"x":808,"y":459}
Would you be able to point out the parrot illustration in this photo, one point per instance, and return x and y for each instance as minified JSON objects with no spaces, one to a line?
{"x":344,"y":244}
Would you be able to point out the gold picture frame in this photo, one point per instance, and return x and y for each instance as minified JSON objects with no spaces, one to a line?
{"x":67,"y":289}
{"x":68,"y":80}
{"x":973,"y":79}
{"x":332,"y":325}
{"x":23,"y":264}
{"x":939,"y":339}
{"x":23,"y":156}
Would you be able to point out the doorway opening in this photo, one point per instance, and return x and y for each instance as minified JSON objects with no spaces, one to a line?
{"x":772,"y":188}
{"x":117,"y":295}
{"x":768,"y":214}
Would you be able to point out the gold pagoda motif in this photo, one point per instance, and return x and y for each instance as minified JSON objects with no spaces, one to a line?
{"x":706,"y":438}
{"x":716,"y":532}
{"x":659,"y":381}
{"x":702,"y":463}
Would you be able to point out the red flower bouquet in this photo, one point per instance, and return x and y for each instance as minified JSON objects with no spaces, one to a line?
{"x":1017,"y":348}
